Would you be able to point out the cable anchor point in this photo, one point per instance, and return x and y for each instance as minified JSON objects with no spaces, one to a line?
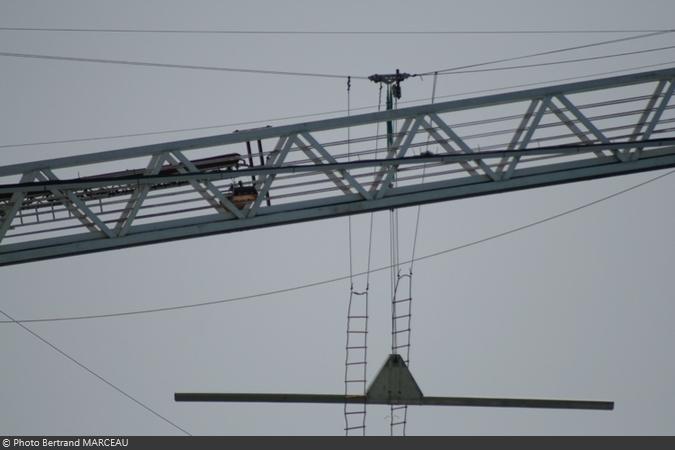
{"x":393,"y":79}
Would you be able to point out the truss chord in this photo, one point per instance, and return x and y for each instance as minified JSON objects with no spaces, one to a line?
{"x":494,"y":120}
{"x":301,"y":116}
{"x":242,"y":137}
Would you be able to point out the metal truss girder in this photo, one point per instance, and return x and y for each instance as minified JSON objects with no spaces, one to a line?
{"x":462,"y":145}
{"x":14,"y":205}
{"x":572,"y":125}
{"x":186,"y":166}
{"x":522,"y":127}
{"x":642,"y":121}
{"x":668,"y":93}
{"x":355,"y":164}
{"x":138,"y":197}
{"x":306,"y":149}
{"x":398,"y":153}
{"x":324,"y":153}
{"x":588,"y":124}
{"x":342,"y":122}
{"x":525,"y":178}
{"x":545,"y":102}
{"x":264,"y":183}
{"x":582,"y":118}
{"x":448,"y":148}
{"x":77,"y":206}
{"x":391,"y":181}
{"x":391,"y":152}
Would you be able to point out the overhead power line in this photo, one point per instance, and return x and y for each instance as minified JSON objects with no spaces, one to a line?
{"x":550,"y":52}
{"x":91,"y":372}
{"x":302,"y":116}
{"x":346,"y":277}
{"x":566,"y":61}
{"x":178,"y":66}
{"x":327,"y":32}
{"x":295,"y":73}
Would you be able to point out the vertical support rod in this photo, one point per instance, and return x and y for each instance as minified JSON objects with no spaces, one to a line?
{"x":250,"y":158}
{"x":390,"y":125}
{"x":262,"y":163}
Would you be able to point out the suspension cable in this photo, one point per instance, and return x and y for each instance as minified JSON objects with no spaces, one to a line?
{"x":349,"y":218}
{"x":402,"y":316}
{"x":356,"y":349}
{"x":424,"y":169}
{"x":400,"y":307}
{"x":372,"y":214}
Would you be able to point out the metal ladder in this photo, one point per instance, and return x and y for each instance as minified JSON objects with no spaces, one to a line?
{"x":401,"y":314}
{"x":356,"y":362}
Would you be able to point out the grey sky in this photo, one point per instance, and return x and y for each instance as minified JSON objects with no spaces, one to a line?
{"x":580,"y":307}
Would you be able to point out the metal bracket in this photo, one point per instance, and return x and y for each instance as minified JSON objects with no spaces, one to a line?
{"x":394,"y":383}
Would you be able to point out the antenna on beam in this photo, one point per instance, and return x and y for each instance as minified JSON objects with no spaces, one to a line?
{"x":391,"y":79}
{"x":393,"y":82}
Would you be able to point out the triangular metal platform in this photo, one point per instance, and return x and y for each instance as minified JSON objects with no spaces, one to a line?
{"x":394,"y":383}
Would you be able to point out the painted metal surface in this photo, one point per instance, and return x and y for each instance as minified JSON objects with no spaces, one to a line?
{"x":424,"y":401}
{"x":161,"y":192}
{"x":395,"y":385}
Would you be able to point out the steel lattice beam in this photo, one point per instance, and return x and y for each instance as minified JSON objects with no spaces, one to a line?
{"x":46,"y":212}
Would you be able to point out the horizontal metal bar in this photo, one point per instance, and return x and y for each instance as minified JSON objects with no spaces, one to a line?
{"x":424,"y":401}
{"x":341,"y":122}
{"x":518,"y":403}
{"x":562,"y":150}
